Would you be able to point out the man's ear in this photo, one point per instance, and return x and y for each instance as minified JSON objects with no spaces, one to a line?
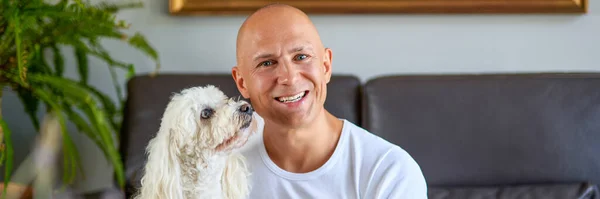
{"x":327,"y":58}
{"x":239,"y":81}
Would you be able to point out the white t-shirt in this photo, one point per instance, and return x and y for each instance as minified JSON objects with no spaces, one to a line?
{"x":363,"y":165}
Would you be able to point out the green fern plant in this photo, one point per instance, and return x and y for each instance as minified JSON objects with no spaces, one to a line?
{"x":28,"y":29}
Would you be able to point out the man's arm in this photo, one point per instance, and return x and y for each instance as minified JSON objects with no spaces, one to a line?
{"x":397,"y":176}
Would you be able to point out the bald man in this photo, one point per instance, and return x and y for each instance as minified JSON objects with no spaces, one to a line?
{"x":303,"y":151}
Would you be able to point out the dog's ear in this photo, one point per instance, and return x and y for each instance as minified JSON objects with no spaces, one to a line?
{"x":161,"y":174}
{"x":235,"y":177}
{"x":185,"y":121}
{"x":174,"y":143}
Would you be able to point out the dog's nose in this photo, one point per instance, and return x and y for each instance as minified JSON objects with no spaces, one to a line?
{"x":246,"y":108}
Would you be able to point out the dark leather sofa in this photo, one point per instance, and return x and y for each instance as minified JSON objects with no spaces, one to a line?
{"x":475,"y":136}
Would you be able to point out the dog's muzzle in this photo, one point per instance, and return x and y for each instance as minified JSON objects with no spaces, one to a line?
{"x":246,"y":112}
{"x":246,"y":109}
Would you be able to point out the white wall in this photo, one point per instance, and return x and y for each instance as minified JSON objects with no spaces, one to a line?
{"x":380,"y":44}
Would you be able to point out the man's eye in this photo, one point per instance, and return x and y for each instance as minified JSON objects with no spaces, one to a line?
{"x":266,"y":63}
{"x":301,"y":57}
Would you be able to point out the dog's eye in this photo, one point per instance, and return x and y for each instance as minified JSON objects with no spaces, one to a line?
{"x":206,"y":113}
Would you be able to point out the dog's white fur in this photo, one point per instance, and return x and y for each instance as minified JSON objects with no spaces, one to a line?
{"x":187,"y":160}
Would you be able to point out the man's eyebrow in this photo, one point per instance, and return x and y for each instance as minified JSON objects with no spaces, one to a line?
{"x":262,"y":56}
{"x":300,"y":48}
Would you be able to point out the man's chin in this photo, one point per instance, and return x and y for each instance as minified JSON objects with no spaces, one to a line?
{"x":295,"y":120}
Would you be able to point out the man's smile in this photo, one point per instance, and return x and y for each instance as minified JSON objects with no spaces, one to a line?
{"x":292,"y":98}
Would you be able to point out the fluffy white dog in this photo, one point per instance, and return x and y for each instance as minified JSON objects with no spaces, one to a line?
{"x":195,"y":153}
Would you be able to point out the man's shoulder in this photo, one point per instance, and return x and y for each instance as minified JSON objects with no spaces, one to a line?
{"x":368,"y":142}
{"x":392,"y":170}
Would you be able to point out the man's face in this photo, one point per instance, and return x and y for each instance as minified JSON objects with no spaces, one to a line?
{"x":284,"y":72}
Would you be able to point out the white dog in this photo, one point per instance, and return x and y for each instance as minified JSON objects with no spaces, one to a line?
{"x":194,"y":155}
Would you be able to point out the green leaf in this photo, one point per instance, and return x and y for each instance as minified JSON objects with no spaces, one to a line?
{"x":139,"y":41}
{"x":69,"y":152}
{"x":62,"y":4}
{"x":130,"y":72}
{"x":31,"y":104}
{"x":71,"y":156}
{"x":97,"y":51}
{"x":13,"y":78}
{"x":113,"y":76}
{"x":5,"y":3}
{"x":105,"y":136}
{"x":39,"y":64}
{"x":81,"y":92}
{"x":17,"y":29}
{"x":71,"y":159}
{"x":66,"y":86}
{"x":89,"y":107}
{"x":83,"y":126}
{"x":59,"y":62}
{"x":107,"y":104}
{"x":100,"y":52}
{"x":82,"y":63}
{"x":7,"y":154}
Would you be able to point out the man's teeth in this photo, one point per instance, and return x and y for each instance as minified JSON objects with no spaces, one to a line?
{"x":294,"y":98}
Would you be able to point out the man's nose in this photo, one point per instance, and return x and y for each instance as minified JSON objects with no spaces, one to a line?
{"x":286,"y":73}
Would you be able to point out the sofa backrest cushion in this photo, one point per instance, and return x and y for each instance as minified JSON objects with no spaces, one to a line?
{"x":466,"y":130}
{"x":148,"y":97}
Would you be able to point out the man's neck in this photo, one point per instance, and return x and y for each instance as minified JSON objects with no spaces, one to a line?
{"x":303,"y":150}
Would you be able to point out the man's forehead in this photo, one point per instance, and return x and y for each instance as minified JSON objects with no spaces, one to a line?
{"x":270,"y":29}
{"x":275,"y":40}
{"x":283,"y":36}
{"x":272,"y":24}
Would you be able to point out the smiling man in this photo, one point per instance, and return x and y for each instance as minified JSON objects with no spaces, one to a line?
{"x":304,"y":151}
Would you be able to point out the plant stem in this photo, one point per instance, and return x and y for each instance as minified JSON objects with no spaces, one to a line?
{"x":19,"y":49}
{"x":49,"y":147}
